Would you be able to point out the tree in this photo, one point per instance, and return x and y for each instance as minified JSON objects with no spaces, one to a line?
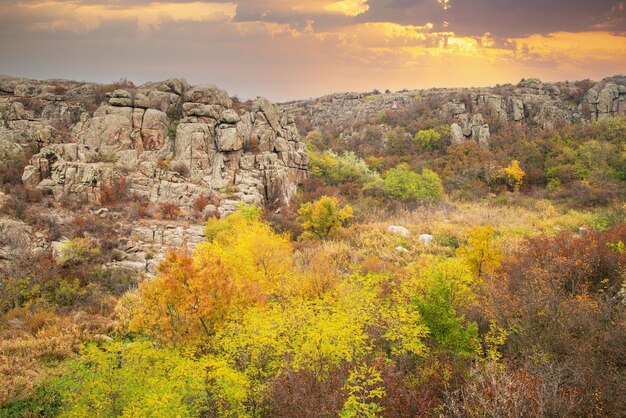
{"x":481,"y":252}
{"x":515,"y":174}
{"x":244,"y":264}
{"x":323,"y":217}
{"x":134,"y":379}
{"x":365,"y":389}
{"x":403,"y":183}
{"x":429,"y":138}
{"x":187,"y":298}
{"x":445,"y":327}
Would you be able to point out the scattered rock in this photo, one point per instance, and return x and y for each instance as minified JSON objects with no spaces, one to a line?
{"x":400,"y":230}
{"x":426,"y":239}
{"x":401,"y":249}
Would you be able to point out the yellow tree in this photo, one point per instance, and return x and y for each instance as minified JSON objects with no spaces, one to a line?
{"x":244,"y":264}
{"x":515,"y":174}
{"x":323,"y":217}
{"x":481,"y":252}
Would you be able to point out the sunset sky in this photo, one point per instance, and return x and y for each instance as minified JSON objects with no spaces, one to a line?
{"x":298,"y":49}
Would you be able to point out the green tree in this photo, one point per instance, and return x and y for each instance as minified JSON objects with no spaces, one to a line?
{"x":448,"y":330}
{"x":403,"y":183}
{"x":323,"y":217}
{"x":134,"y":379}
{"x":428,"y":138}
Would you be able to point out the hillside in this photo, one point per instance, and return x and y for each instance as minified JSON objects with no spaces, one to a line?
{"x":468,"y":136}
{"x":168,"y":250}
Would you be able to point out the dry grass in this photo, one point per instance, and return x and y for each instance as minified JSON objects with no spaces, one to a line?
{"x":449,"y":223}
{"x":30,"y":353}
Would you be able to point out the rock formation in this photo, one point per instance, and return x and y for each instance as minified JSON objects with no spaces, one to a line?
{"x":607,"y":98}
{"x":472,"y":113}
{"x":168,"y":141}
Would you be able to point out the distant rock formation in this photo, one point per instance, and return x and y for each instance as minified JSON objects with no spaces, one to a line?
{"x":470,"y":111}
{"x":607,"y":98}
{"x":171,"y":142}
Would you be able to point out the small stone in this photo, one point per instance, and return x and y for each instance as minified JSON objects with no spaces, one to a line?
{"x":426,"y":239}
{"x":400,"y":230}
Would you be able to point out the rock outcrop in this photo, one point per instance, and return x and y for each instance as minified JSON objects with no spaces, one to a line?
{"x":168,"y":141}
{"x":607,"y":98}
{"x":472,"y":113}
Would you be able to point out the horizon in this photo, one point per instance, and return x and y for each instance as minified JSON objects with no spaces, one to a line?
{"x":138,"y":83}
{"x":288,"y":50}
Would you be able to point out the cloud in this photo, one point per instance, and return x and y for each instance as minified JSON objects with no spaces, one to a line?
{"x":348,"y":7}
{"x":82,"y":17}
{"x":288,"y":49}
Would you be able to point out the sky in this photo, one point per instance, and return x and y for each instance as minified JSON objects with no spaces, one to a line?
{"x":287,"y":50}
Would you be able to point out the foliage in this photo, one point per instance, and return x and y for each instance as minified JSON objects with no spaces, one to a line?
{"x":192,"y":295}
{"x":445,"y":327}
{"x":365,"y":389}
{"x":133,"y":379}
{"x":76,"y":251}
{"x":404,"y":184}
{"x":324,"y":217}
{"x":515,"y":174}
{"x":428,"y":138}
{"x":335,"y":169}
{"x":481,"y":252}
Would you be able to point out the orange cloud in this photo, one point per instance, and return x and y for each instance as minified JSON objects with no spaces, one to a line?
{"x":77,"y":17}
{"x":348,"y":7}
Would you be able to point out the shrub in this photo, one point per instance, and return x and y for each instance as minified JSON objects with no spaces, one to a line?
{"x":429,"y":138}
{"x":115,"y":192}
{"x":404,"y":184}
{"x":336,"y":169}
{"x":323,"y":218}
{"x":169,"y":210}
{"x":200,"y":203}
{"x":76,"y":251}
{"x":181,"y":168}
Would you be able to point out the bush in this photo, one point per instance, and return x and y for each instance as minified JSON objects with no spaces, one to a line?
{"x":169,"y":210}
{"x":404,"y":184}
{"x":115,"y":192}
{"x":429,"y":138}
{"x":335,"y":169}
{"x":180,"y":168}
{"x":323,"y":218}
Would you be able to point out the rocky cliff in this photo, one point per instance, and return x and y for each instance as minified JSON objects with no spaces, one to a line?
{"x":472,"y":112}
{"x":164,"y":142}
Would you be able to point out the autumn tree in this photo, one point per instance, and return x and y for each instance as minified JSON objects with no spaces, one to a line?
{"x":481,"y":252}
{"x":324,"y":217}
{"x":514,"y":175}
{"x":133,"y":379}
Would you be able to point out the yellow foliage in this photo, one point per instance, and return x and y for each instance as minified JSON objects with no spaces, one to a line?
{"x":481,"y":253}
{"x":192,"y":295}
{"x":324,"y":217}
{"x":515,"y":174}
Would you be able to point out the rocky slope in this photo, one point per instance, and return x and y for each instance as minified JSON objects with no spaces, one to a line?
{"x":169,"y":141}
{"x":472,"y":112}
{"x":191,"y":151}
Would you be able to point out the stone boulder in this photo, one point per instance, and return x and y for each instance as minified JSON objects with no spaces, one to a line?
{"x":398,"y":230}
